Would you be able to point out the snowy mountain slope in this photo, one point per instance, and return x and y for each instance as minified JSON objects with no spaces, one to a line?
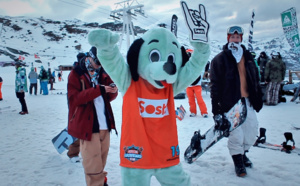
{"x":51,"y":39}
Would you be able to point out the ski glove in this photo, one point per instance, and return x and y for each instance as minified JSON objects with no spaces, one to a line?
{"x":222,"y":124}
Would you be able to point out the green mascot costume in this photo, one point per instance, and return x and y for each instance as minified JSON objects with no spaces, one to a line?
{"x":157,"y":68}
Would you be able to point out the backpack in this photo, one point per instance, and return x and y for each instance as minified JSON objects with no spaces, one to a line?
{"x":44,"y":75}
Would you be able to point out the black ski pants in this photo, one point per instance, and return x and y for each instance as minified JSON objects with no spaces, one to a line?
{"x":21,"y":96}
{"x":33,"y":85}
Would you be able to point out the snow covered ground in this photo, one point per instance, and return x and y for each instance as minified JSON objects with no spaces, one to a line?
{"x":28,"y":157}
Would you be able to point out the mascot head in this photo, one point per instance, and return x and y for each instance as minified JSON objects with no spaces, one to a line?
{"x":156,"y":57}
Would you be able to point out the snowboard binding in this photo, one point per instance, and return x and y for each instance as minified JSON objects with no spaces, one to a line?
{"x":196,"y":141}
{"x":195,"y":147}
{"x":262,"y":136}
{"x":288,"y":137}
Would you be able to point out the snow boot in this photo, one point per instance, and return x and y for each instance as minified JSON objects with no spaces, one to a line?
{"x":240,"y":169}
{"x":105,"y":181}
{"x":246,"y":160}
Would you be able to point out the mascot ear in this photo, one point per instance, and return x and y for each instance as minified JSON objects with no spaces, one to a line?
{"x":185,"y":56}
{"x":133,"y":57}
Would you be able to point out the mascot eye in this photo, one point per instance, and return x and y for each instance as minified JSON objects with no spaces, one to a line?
{"x":171,"y":58}
{"x":154,"y":56}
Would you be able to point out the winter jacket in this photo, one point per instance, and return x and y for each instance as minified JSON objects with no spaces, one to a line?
{"x":262,"y":61}
{"x":82,"y":113}
{"x":21,"y":80}
{"x":225,"y":81}
{"x":33,"y":76}
{"x":43,"y":76}
{"x":275,"y":70}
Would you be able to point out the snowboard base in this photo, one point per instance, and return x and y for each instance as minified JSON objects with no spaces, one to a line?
{"x":62,"y":141}
{"x":201,"y":143}
{"x":180,"y":112}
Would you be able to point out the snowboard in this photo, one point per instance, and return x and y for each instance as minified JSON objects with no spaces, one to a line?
{"x":62,"y":141}
{"x":58,"y":92}
{"x":284,"y":147}
{"x":6,"y":109}
{"x":180,"y":112}
{"x":297,"y":127}
{"x":201,"y":143}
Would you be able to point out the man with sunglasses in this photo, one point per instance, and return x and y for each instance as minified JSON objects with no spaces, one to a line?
{"x":90,"y":91}
{"x":234,"y":75}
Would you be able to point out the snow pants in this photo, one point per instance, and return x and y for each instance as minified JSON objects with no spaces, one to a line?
{"x":21,"y":97}
{"x":168,"y":176}
{"x":44,"y":86}
{"x":195,"y":92}
{"x":94,"y":155}
{"x":0,"y":91}
{"x":243,"y":137}
{"x":272,"y":93}
{"x":33,"y":86}
{"x":296,"y":94}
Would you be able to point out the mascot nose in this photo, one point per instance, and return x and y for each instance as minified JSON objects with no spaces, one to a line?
{"x":169,"y":66}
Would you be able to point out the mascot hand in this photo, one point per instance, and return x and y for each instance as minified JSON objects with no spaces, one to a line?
{"x":196,"y":22}
{"x":103,"y":39}
{"x":201,"y":50}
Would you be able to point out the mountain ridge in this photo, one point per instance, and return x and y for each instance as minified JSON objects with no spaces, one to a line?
{"x":63,"y":40}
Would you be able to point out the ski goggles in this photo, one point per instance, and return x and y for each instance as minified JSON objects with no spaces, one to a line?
{"x":235,"y":29}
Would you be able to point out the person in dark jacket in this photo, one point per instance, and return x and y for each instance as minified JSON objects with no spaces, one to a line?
{"x":234,"y":75}
{"x":262,"y":62}
{"x":274,"y":75}
{"x":90,"y":91}
{"x":44,"y":79}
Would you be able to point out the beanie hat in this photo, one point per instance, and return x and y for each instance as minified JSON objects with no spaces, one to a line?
{"x":80,"y":56}
{"x":18,"y":63}
{"x":275,"y":55}
{"x":93,"y":54}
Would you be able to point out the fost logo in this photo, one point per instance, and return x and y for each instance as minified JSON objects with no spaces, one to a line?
{"x":150,"y":108}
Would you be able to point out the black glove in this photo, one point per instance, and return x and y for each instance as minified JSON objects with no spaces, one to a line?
{"x":222,"y":124}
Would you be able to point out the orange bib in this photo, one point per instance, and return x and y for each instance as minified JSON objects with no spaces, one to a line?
{"x":149,"y":132}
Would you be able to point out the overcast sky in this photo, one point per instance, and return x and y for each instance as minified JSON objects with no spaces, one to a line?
{"x":220,"y":13}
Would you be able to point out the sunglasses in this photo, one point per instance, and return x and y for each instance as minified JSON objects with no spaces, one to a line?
{"x":235,"y":29}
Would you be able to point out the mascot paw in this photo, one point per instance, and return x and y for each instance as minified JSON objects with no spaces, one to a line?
{"x":103,"y":39}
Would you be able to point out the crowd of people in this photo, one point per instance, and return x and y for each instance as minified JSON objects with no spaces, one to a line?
{"x":21,"y":87}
